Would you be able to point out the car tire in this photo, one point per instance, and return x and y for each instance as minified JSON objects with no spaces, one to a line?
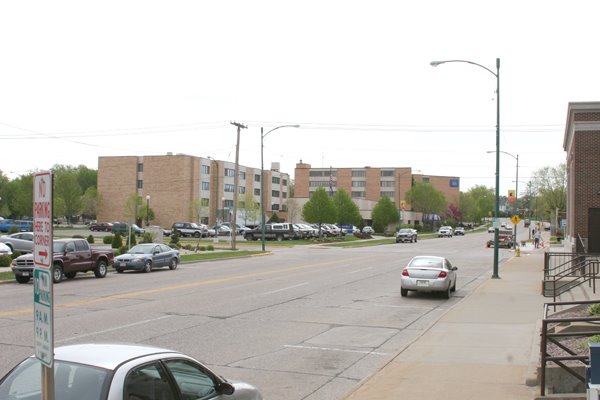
{"x":453,"y":287}
{"x":57,"y":273}
{"x":197,"y":234}
{"x":101,"y":269}
{"x":403,"y":292}
{"x":70,"y":275}
{"x":22,"y":279}
{"x":119,"y":270}
{"x":148,"y":266}
{"x":397,"y":240}
{"x":279,"y":238}
{"x":447,"y":292}
{"x":173,"y":264}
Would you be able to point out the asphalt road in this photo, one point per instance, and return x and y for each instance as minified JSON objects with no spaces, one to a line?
{"x":307,"y":322}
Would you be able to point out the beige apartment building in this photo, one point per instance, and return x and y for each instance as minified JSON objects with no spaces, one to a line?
{"x":367,"y":185}
{"x":184,"y":188}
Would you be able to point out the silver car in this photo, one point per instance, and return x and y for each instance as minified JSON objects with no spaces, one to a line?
{"x":123,"y":372}
{"x":21,"y":242}
{"x":428,"y":274}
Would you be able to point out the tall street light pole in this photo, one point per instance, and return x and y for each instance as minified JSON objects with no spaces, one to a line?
{"x":262,"y":180}
{"x":216,"y":196}
{"x":497,"y":205}
{"x":148,"y":210}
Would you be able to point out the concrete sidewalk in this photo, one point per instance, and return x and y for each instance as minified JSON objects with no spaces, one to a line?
{"x":485,"y":347}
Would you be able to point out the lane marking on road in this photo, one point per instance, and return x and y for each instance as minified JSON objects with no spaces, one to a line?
{"x":360,"y":270}
{"x":145,"y":292}
{"x":376,"y":353}
{"x":113,"y":329}
{"x":284,"y":289}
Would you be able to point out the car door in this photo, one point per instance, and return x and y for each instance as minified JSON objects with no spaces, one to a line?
{"x":158,"y":257}
{"x":451,"y":270}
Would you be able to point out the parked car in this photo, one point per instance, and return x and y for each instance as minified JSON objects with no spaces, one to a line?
{"x":165,"y":232}
{"x":70,"y":256}
{"x":101,"y":226}
{"x":491,"y":229}
{"x":106,"y":371}
{"x":5,"y":250}
{"x":123,"y":229}
{"x":368,"y":229}
{"x":6,"y":225}
{"x":505,"y":239}
{"x":222,"y":230}
{"x":445,"y":231}
{"x":21,"y":242}
{"x":190,"y":229}
{"x":428,"y":274}
{"x":147,"y":256}
{"x":406,"y":235}
{"x":459,"y":231}
{"x":240,"y":229}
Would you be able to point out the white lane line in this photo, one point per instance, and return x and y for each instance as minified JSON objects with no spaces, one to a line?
{"x":339,"y":350}
{"x":361,"y":270}
{"x":114,"y":329}
{"x":286,"y":288}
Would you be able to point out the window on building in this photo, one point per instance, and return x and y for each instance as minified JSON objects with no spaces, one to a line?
{"x":140,"y":184}
{"x":274,"y":193}
{"x":284,"y":195}
{"x":206,"y":169}
{"x":228,"y":187}
{"x":387,"y":173}
{"x":358,"y":194}
{"x":275,"y":180}
{"x":425,"y":179}
{"x":205,"y":185}
{"x":229,"y":172}
{"x":387,"y":183}
{"x":242,"y":189}
{"x":275,"y":207}
{"x":359,"y":174}
{"x":387,"y":194}
{"x":358,"y":183}
{"x":315,"y":173}
{"x":242,"y":175}
{"x":228,"y":204}
{"x":257,"y":192}
{"x":140,"y":167}
{"x":284,"y":207}
{"x":284,"y":182}
{"x":256,"y":177}
{"x":204,"y":202}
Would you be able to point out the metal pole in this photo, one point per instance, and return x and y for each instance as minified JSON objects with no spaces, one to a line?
{"x":147,"y":210}
{"x":236,"y":180}
{"x":262,"y":192}
{"x":516,"y":200}
{"x":497,"y":208}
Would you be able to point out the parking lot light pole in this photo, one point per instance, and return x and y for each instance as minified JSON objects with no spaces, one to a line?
{"x":148,"y":210}
{"x":262,"y":180}
{"x":497,"y":205}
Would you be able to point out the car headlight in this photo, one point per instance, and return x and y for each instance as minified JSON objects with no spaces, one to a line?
{"x":139,"y":259}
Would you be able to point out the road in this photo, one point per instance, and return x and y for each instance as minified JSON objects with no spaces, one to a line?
{"x":307,"y":322}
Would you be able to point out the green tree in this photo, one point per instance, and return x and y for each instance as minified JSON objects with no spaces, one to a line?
{"x":146,"y":214}
{"x":248,"y":208}
{"x":478,"y":203}
{"x":199,"y":210}
{"x":21,"y":195}
{"x":67,"y":194}
{"x":383,"y":214}
{"x":319,"y":209}
{"x":89,"y":202}
{"x":347,"y":211}
{"x":550,"y":183}
{"x":132,"y":208}
{"x":426,"y":199}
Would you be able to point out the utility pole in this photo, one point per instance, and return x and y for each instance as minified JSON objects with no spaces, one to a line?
{"x":236,"y":179}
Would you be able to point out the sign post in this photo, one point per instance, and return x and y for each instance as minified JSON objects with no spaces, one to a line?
{"x":43,"y":294}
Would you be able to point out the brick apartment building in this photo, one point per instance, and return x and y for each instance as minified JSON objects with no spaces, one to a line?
{"x":178,"y":185}
{"x":367,"y":185}
{"x":582,"y":145}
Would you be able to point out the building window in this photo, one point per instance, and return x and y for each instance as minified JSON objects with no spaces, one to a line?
{"x":205,"y":185}
{"x":387,"y":183}
{"x":322,"y":183}
{"x":284,"y":207}
{"x":256,"y":177}
{"x":284,"y":182}
{"x":425,"y":179}
{"x":242,"y":175}
{"x":358,"y":194}
{"x":228,"y":187}
{"x":387,"y":173}
{"x":387,"y":194}
{"x":275,"y":180}
{"x":140,"y":167}
{"x":284,"y":195}
{"x":322,"y":173}
{"x":204,"y":202}
{"x":206,"y":169}
{"x":274,"y":193}
{"x":140,"y":184}
{"x":257,"y":192}
{"x":242,"y":189}
{"x":274,"y":207}
{"x":359,"y":174}
{"x":228,"y":204}
{"x":358,"y":183}
{"x":229,"y":172}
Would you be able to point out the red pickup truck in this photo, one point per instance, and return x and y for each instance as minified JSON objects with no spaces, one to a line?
{"x":70,"y":257}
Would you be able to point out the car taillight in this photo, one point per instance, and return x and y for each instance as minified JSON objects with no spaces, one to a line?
{"x":404,"y":272}
{"x":442,"y":274}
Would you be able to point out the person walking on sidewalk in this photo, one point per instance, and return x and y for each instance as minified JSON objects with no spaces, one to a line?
{"x":536,"y":238}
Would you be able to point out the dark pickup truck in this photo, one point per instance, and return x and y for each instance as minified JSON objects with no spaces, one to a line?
{"x":505,"y":239}
{"x":70,"y":257}
{"x":276,"y":231}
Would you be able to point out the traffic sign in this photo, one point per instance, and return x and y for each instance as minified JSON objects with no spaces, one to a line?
{"x":42,"y":314}
{"x":42,"y":219}
{"x":515,"y":219}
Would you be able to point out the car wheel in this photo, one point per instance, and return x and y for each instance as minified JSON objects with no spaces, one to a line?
{"x":70,"y":275}
{"x":173,"y":264}
{"x":249,"y":237}
{"x":196,"y":234}
{"x":403,"y":292}
{"x":397,"y":240}
{"x":415,"y":239}
{"x":57,"y":273}
{"x":446,"y":292}
{"x":101,"y":269}
{"x":22,"y":279}
{"x":120,"y":270}
{"x":279,"y":238}
{"x":148,"y":266}
{"x":454,"y":286}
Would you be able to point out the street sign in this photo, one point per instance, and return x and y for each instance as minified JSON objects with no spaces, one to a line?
{"x":43,"y":316}
{"x":515,"y":219}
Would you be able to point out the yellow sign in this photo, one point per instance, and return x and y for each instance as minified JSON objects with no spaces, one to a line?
{"x":515,"y":219}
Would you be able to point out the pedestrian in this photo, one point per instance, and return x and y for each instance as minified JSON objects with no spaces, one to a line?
{"x":536,"y":239}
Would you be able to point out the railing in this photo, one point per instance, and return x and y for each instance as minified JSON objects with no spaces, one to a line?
{"x":565,"y":271}
{"x":566,"y":357}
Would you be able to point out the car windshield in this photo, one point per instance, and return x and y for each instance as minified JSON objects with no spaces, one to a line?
{"x":58,"y":247}
{"x":405,"y":230}
{"x":141,"y":249}
{"x":424,"y":262}
{"x":72,"y":381}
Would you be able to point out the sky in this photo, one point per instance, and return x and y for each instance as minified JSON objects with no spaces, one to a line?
{"x":83,"y":79}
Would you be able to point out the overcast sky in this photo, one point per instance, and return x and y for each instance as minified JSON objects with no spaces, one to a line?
{"x":81,"y":79}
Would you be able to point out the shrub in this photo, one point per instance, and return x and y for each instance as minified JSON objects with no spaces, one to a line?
{"x":107,"y":239}
{"x":117,"y":241}
{"x":15,"y":254}
{"x":202,"y":248}
{"x":5,"y":261}
{"x":147,"y":238}
{"x":132,"y":240}
{"x":77,"y":237}
{"x":210,"y":247}
{"x":174,"y":239}
{"x":90,"y":239}
{"x":123,"y":249}
{"x":594,"y":309}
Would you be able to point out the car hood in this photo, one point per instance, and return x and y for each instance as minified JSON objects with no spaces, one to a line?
{"x":133,"y":255}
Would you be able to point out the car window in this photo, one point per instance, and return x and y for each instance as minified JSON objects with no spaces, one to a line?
{"x":193,"y":381}
{"x":70,"y":247}
{"x":426,"y":262}
{"x":80,"y":245}
{"x":148,"y":382}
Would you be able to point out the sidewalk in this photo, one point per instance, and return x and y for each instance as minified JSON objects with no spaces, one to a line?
{"x":485,"y":347}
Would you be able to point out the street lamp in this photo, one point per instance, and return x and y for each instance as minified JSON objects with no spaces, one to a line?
{"x":497,"y":206}
{"x":216,"y":189}
{"x":262,"y":179}
{"x":148,"y":210}
{"x":516,"y":188}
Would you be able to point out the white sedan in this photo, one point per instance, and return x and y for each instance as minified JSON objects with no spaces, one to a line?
{"x":5,"y":250}
{"x":123,"y":372}
{"x":428,"y":274}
